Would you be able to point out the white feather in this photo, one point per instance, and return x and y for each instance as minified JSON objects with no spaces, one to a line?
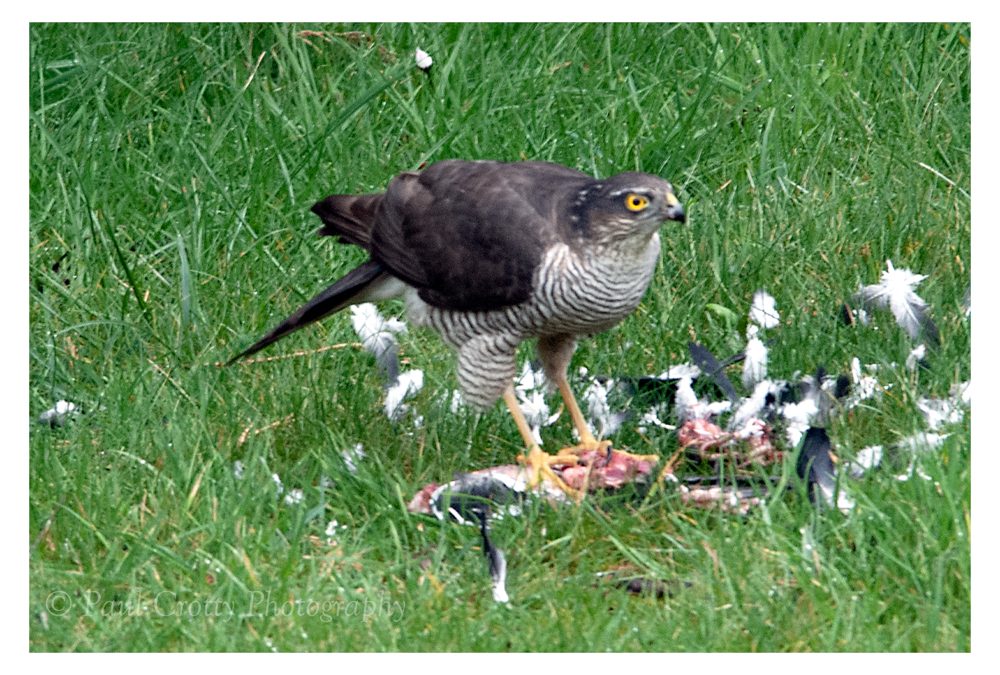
{"x":423,"y":59}
{"x":371,"y":326}
{"x":755,"y":361}
{"x":799,"y":418}
{"x":679,"y":371}
{"x":353,"y":456}
{"x":895,"y":292}
{"x":499,"y":578}
{"x":686,"y":401}
{"x":865,"y":386}
{"x":530,"y":388}
{"x":604,"y":420}
{"x":406,"y":385}
{"x":752,"y":406}
{"x":865,"y":460}
{"x":917,"y":354}
{"x":688,"y":407}
{"x":764,"y":310}
{"x":58,"y":414}
{"x":652,"y":418}
{"x":378,"y":336}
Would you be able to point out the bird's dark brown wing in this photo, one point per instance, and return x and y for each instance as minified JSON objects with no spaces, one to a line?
{"x":348,"y":217}
{"x":469,"y":235}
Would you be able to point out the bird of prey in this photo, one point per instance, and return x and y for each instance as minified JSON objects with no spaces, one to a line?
{"x":491,"y":254}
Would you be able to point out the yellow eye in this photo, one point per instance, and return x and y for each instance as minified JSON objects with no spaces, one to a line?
{"x":634,"y":202}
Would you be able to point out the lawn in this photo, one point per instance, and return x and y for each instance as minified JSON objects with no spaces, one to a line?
{"x":191,"y":507}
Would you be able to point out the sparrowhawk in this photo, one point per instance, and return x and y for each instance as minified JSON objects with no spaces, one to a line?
{"x":491,"y":254}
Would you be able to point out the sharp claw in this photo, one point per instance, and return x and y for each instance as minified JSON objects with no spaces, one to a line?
{"x":540,"y":463}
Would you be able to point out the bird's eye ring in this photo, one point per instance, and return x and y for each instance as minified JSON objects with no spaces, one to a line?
{"x":634,"y":202}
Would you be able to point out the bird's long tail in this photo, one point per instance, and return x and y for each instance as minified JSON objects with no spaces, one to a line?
{"x":342,"y":293}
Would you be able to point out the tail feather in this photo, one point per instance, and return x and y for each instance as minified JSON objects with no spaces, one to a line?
{"x":341,"y":294}
{"x":349,"y":217}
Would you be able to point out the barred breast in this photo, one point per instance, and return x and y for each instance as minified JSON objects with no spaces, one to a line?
{"x":573,"y":293}
{"x":577,"y":293}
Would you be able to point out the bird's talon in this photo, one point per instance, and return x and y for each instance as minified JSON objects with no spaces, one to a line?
{"x":539,"y":466}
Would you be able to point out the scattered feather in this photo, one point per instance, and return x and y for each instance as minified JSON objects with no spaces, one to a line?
{"x":652,"y":418}
{"x":865,"y":460}
{"x":808,"y":550}
{"x":536,"y":413}
{"x":852,"y":316}
{"x":59,"y":414}
{"x":913,"y":470}
{"x":531,"y":378}
{"x":602,"y":418}
{"x":352,"y":456}
{"x":680,"y":370}
{"x":711,"y":367}
{"x":962,"y":392}
{"x":238,"y":470}
{"x":895,"y":292}
{"x":423,"y":59}
{"x":798,"y":417}
{"x":764,"y":310}
{"x":753,"y":406}
{"x":815,"y":464}
{"x":456,"y":401}
{"x":755,"y":362}
{"x":922,"y":442}
{"x":496,"y":560}
{"x":333,"y":528}
{"x":863,"y":386}
{"x":407,"y":384}
{"x":916,"y":357}
{"x":378,"y":336}
{"x":530,"y":388}
{"x":916,"y":445}
{"x":688,"y":406}
{"x":940,"y":412}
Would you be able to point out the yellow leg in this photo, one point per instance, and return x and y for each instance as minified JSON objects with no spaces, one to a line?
{"x":538,"y":462}
{"x":587,"y":440}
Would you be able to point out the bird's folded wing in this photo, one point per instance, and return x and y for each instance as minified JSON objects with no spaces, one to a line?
{"x":469,"y":235}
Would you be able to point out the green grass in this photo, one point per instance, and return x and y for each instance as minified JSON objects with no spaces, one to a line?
{"x":172,"y":169}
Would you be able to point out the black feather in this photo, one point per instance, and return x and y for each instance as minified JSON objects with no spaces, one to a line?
{"x":333,"y":299}
{"x":711,"y":367}
{"x":815,"y":464}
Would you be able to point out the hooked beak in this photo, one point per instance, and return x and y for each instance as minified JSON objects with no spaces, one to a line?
{"x":674,"y":209}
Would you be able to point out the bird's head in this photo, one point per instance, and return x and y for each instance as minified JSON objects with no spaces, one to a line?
{"x":629,"y":206}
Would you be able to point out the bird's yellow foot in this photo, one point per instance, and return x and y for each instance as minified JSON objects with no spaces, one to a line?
{"x":603,"y":451}
{"x":586,"y":446}
{"x":539,"y":464}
